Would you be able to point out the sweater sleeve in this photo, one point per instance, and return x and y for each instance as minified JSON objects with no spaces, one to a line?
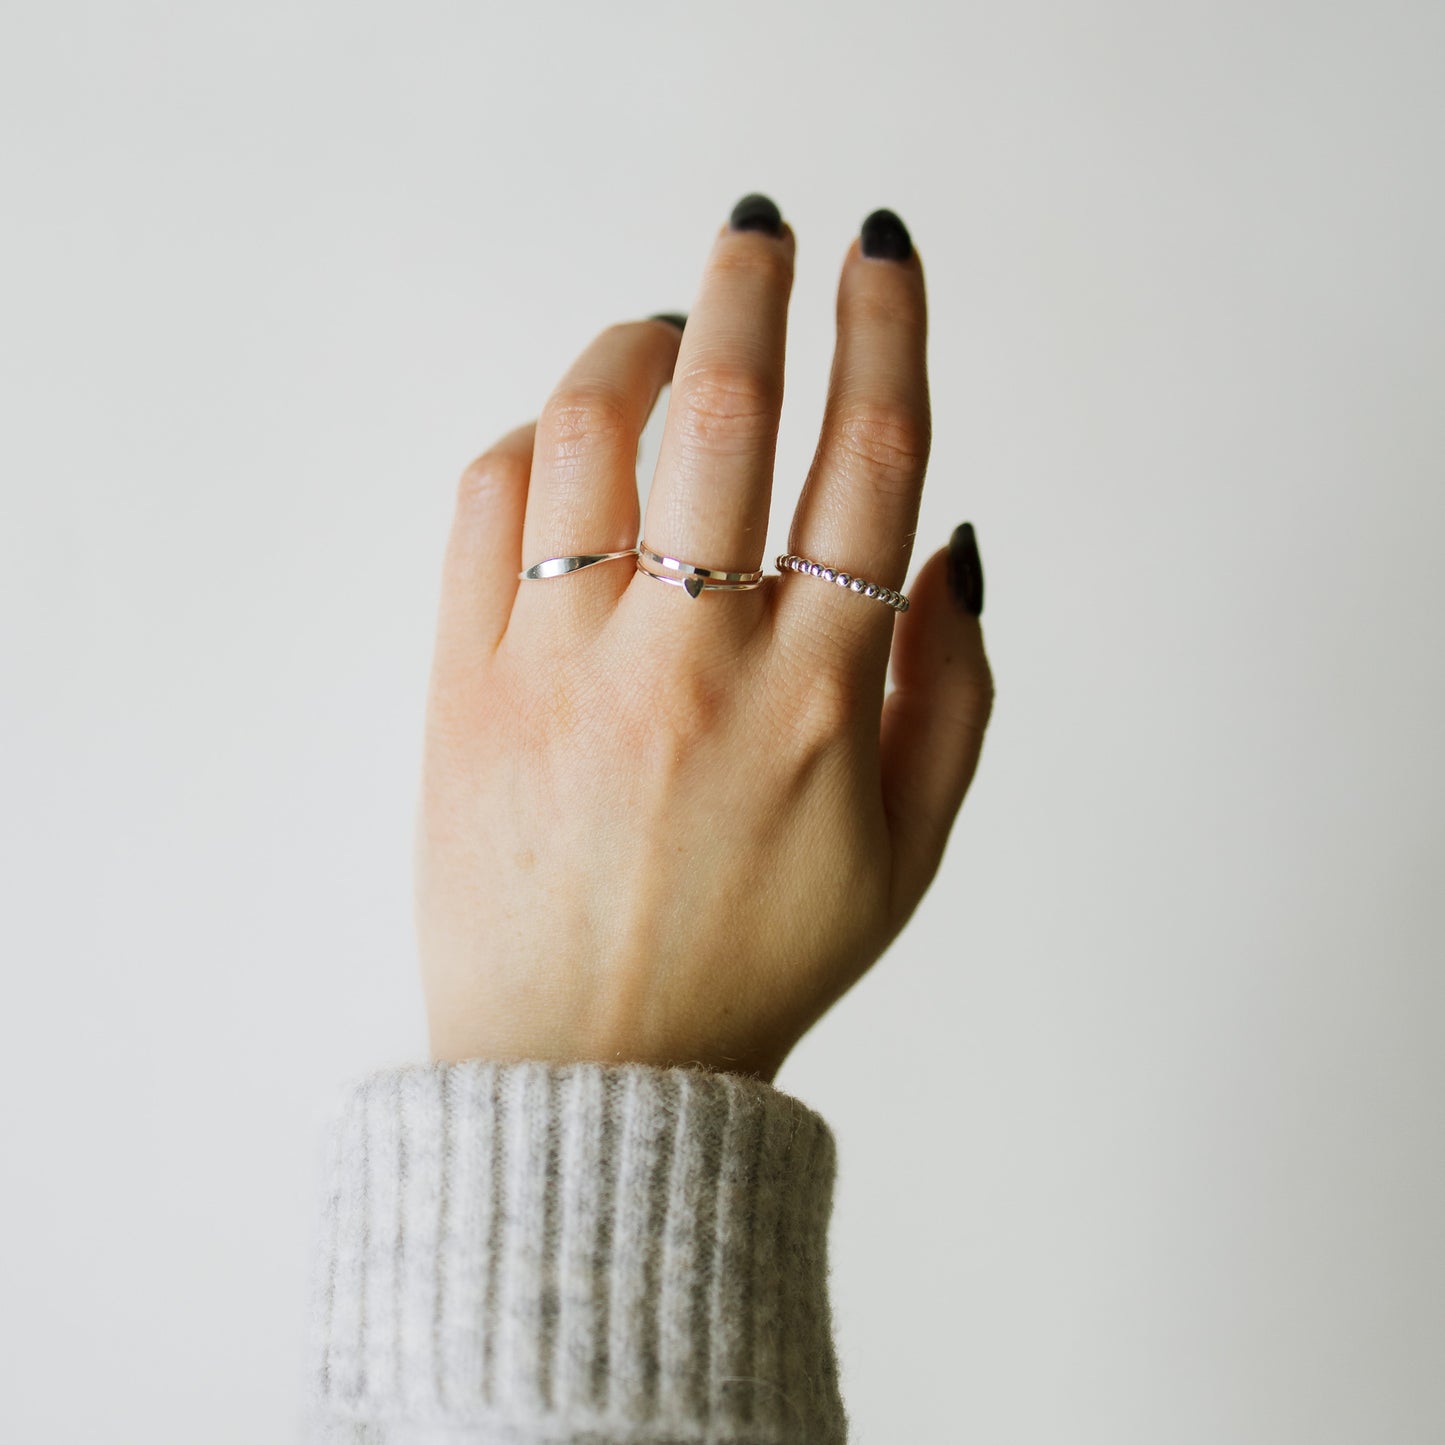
{"x":573,"y":1254}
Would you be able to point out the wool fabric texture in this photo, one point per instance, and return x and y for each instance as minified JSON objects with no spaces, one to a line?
{"x":574,"y":1254}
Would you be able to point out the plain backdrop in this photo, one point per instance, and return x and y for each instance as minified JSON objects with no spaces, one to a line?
{"x":1140,"y":1122}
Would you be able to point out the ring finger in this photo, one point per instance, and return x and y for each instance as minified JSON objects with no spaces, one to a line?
{"x":859,"y":505}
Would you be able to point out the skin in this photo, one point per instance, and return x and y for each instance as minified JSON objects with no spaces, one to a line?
{"x":669,"y":830}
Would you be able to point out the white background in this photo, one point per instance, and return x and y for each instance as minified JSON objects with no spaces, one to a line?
{"x":1141,"y":1121}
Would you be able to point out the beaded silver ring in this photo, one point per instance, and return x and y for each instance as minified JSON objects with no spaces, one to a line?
{"x":808,"y":568}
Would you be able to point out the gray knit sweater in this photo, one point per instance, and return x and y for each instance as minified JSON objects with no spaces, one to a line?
{"x":579,"y":1254}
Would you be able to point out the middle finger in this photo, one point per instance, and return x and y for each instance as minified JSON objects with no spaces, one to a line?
{"x":708,"y":504}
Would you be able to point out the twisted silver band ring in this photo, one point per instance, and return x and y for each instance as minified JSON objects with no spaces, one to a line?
{"x":692,"y":578}
{"x":561,"y":566}
{"x":896,"y":600}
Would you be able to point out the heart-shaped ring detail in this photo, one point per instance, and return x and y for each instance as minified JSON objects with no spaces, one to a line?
{"x":696,"y":579}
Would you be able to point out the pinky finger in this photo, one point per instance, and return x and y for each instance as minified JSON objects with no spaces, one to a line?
{"x":934,"y":719}
{"x":483,"y":555}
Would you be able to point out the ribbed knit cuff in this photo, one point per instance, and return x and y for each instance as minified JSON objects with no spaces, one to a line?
{"x":552,"y":1254}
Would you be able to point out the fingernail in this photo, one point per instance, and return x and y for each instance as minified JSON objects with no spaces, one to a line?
{"x":965,"y":570}
{"x":886,"y":238}
{"x":757,"y":213}
{"x":673,"y":318}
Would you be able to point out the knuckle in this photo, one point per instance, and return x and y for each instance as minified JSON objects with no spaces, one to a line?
{"x":889,"y":310}
{"x":491,"y":475}
{"x":465,"y":707}
{"x":618,"y":331}
{"x":974,"y":699}
{"x":583,"y":416}
{"x":450,"y":724}
{"x":827,"y":711}
{"x":727,"y":403}
{"x":674,"y":712}
{"x":744,"y":260}
{"x":984,"y":694}
{"x":888,"y":440}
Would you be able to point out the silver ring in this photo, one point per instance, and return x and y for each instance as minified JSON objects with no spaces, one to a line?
{"x":561,"y":566}
{"x":896,"y":600}
{"x":690,"y":576}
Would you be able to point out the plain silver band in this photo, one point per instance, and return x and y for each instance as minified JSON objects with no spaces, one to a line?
{"x":896,"y":600}
{"x":694,"y":585}
{"x":690,"y":576}
{"x":690,"y":569}
{"x":561,"y":566}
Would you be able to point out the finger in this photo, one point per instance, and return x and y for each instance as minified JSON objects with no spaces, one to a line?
{"x":935,"y":717}
{"x":483,"y":552}
{"x":583,"y":496}
{"x":709,"y":498}
{"x":859,"y":505}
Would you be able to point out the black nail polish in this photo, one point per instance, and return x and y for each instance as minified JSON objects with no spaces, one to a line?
{"x":757,"y":213}
{"x":965,"y":570}
{"x":673,"y":318}
{"x":886,"y":238}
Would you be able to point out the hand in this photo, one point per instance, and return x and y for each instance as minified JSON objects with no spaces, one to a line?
{"x":674,"y":830}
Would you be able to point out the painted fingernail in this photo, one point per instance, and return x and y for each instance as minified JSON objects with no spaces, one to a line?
{"x":757,"y":213}
{"x":965,"y":570}
{"x":673,"y":318}
{"x":886,"y":238}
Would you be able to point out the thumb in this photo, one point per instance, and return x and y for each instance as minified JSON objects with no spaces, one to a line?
{"x":934,"y":719}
